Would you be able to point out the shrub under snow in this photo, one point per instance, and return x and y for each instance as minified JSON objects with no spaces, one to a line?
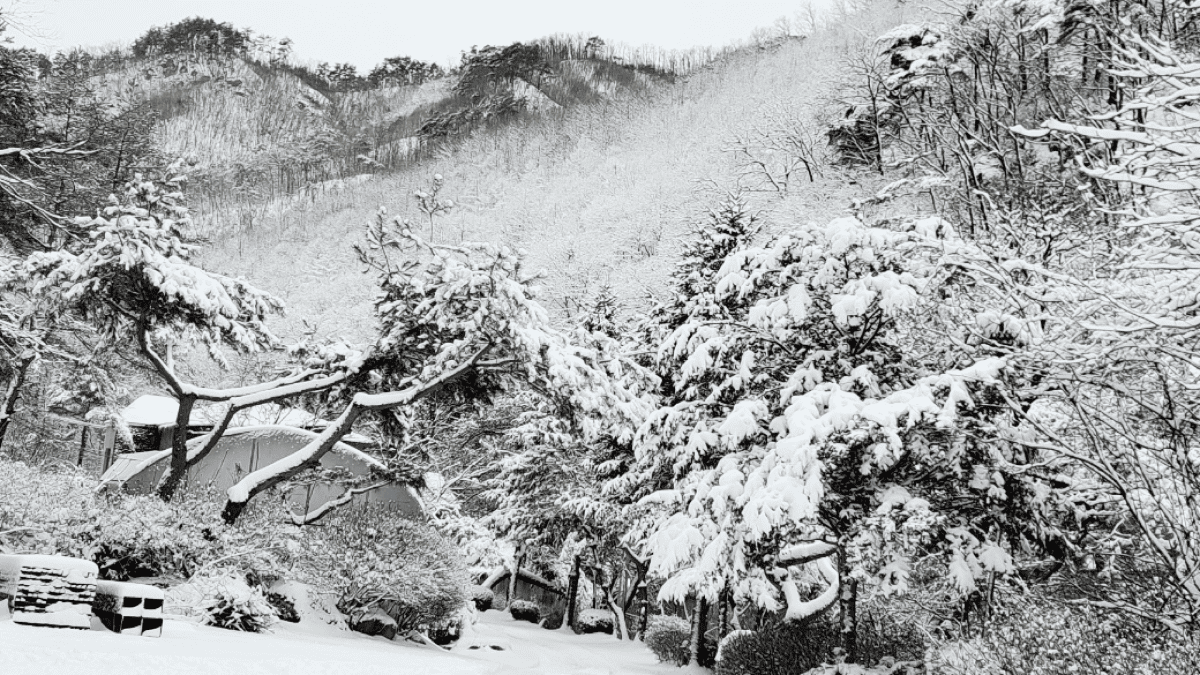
{"x":57,"y":511}
{"x":374,"y":558}
{"x":229,"y":602}
{"x":524,"y":610}
{"x":482,"y":598}
{"x":787,"y":649}
{"x":595,"y":621}
{"x":669,"y":637}
{"x":1038,"y":635}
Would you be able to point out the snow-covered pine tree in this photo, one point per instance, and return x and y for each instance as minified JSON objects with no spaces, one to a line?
{"x":130,"y":277}
{"x":547,"y":491}
{"x":802,"y":423}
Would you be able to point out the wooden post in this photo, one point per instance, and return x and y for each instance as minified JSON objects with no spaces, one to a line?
{"x":107,"y":448}
{"x":645,"y":618}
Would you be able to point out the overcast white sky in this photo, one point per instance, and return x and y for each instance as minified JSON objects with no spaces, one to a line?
{"x":364,"y":32}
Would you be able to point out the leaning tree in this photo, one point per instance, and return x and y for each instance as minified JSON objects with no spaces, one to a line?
{"x":130,"y":277}
{"x":460,"y":323}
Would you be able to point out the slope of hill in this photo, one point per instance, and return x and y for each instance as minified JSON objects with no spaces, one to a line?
{"x":599,"y":194}
{"x":252,"y":132}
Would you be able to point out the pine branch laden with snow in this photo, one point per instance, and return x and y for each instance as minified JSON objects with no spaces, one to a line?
{"x":461,"y":321}
{"x":791,"y":398}
{"x":132,"y":273}
{"x":131,"y":278}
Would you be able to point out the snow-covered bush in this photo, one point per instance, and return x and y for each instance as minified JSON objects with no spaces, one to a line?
{"x":373,"y":558}
{"x":481,"y":597}
{"x":229,"y":602}
{"x":884,"y":633}
{"x":285,"y":607}
{"x":524,"y":610}
{"x":57,"y":511}
{"x":1043,"y":636}
{"x":787,"y":649}
{"x":595,"y":621}
{"x":669,"y":638}
{"x":38,"y":508}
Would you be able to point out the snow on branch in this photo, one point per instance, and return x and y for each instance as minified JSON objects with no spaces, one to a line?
{"x":799,"y":554}
{"x":797,"y":609}
{"x":333,"y":504}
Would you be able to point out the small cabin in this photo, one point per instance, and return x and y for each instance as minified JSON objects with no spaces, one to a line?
{"x":242,"y":450}
{"x":529,"y":587}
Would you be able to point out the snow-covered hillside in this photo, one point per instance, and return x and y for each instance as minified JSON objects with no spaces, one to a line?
{"x":599,"y":194}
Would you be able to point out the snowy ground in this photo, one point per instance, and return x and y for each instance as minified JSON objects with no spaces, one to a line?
{"x":313,"y":648}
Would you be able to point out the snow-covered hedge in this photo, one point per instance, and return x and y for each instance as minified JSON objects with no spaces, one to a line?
{"x":787,"y":649}
{"x":595,"y":621}
{"x":524,"y":610}
{"x":372,"y":558}
{"x":54,"y":510}
{"x":668,"y":637}
{"x":1043,"y":636}
{"x":229,"y":602}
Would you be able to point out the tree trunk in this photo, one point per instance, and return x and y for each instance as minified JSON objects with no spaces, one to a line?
{"x":848,"y":599}
{"x":83,"y":434}
{"x":573,"y":593}
{"x":723,"y":614}
{"x":513,"y":574}
{"x":178,"y":468}
{"x":700,"y":655}
{"x":639,"y":584}
{"x":314,"y":451}
{"x":13,"y":393}
{"x":622,"y":628}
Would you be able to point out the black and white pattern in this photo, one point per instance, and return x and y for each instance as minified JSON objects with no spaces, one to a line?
{"x":135,"y":609}
{"x":47,"y":590}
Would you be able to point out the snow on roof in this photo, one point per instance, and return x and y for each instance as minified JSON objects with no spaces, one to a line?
{"x":266,"y":431}
{"x":501,"y":571}
{"x":151,"y":411}
{"x":140,"y":461}
{"x":129,"y":464}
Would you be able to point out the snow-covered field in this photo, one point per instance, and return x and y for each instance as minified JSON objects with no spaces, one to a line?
{"x":312,"y":648}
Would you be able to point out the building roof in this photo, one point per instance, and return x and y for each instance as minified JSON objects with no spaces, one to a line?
{"x":152,"y":410}
{"x":501,"y":572}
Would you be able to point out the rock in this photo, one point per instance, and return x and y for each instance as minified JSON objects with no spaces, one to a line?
{"x":373,"y":621}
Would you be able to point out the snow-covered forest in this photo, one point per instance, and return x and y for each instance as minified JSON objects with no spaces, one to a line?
{"x":867,"y":345}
